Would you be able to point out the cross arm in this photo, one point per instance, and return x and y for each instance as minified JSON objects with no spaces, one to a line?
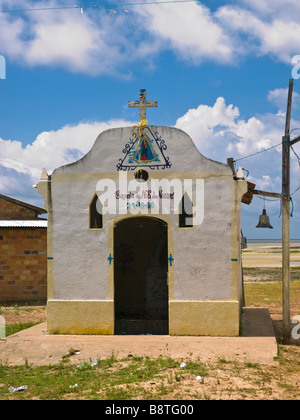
{"x":151,"y":104}
{"x":138,"y":104}
{"x":295,"y":141}
{"x":266,"y":193}
{"x":134,"y":104}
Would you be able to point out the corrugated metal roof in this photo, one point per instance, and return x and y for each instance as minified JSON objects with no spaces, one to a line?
{"x":23,"y":223}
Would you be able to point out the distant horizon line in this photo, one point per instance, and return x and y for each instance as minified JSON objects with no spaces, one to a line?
{"x":270,"y":239}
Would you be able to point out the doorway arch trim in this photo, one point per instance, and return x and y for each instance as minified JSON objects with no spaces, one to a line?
{"x":110,"y":250}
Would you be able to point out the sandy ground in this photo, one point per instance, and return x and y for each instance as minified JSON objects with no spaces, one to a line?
{"x":257,"y":344}
{"x":269,"y":255}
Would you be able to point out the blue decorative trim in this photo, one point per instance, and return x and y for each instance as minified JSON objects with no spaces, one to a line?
{"x":170,"y":259}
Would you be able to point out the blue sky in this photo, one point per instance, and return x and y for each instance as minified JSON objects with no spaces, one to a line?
{"x":219,"y":71}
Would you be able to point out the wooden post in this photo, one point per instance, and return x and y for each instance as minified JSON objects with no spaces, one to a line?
{"x":286,"y":221}
{"x":286,"y":198}
{"x":230,"y":162}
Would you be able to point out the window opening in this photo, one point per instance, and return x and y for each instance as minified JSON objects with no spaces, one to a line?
{"x":185,"y":212}
{"x":96,"y":217}
{"x":141,"y":175}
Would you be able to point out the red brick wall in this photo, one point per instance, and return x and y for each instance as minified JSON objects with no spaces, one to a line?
{"x":23,"y":264}
{"x":13,"y":211}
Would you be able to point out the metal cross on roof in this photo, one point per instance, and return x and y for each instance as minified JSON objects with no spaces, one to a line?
{"x":143,"y":104}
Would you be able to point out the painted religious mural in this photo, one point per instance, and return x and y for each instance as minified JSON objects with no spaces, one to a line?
{"x":146,"y":149}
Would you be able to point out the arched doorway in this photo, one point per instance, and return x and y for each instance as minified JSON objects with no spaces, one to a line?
{"x":141,"y":276}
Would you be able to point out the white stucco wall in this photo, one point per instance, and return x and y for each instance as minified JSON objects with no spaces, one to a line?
{"x":107,"y":149}
{"x":202,"y":255}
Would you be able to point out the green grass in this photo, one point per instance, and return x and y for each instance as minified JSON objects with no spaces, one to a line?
{"x":257,"y":293}
{"x":14,"y":328}
{"x":145,"y":378}
{"x":109,"y":379}
{"x":269,"y":273}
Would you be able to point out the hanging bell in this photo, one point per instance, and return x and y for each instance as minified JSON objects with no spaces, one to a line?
{"x":264,"y":221}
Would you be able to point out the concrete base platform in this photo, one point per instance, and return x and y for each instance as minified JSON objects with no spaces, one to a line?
{"x":256,"y":344}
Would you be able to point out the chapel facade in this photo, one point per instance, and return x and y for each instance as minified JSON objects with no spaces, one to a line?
{"x":144,"y":238}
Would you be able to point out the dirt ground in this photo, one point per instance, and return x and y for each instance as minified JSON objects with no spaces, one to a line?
{"x":262,"y":263}
{"x":36,"y":314}
{"x":224,"y":380}
{"x":221,"y":379}
{"x":270,"y":256}
{"x":276,"y":316}
{"x":20,"y":313}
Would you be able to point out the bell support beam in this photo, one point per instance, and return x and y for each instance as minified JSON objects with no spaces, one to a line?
{"x":266,"y":193}
{"x":294,"y":141}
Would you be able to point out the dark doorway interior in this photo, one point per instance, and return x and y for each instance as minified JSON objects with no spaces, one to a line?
{"x":141,"y":276}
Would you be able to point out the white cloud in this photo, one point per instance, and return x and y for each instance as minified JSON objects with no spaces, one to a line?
{"x":200,"y":123}
{"x":101,"y":42}
{"x":93,"y":42}
{"x":217,"y":130}
{"x":52,"y":149}
{"x":220,"y":133}
{"x":190,"y":30}
{"x":67,"y":41}
{"x":275,"y":33}
{"x":278,"y":97}
{"x":288,"y":9}
{"x":266,"y":183}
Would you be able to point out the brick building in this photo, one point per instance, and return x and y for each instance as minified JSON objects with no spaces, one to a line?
{"x":23,"y":251}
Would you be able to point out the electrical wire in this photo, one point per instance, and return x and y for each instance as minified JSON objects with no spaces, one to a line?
{"x":296,"y":155}
{"x":82,"y":7}
{"x":265,"y":150}
{"x":297,"y":189}
{"x":261,"y":151}
{"x":272,"y":147}
{"x":267,"y":199}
